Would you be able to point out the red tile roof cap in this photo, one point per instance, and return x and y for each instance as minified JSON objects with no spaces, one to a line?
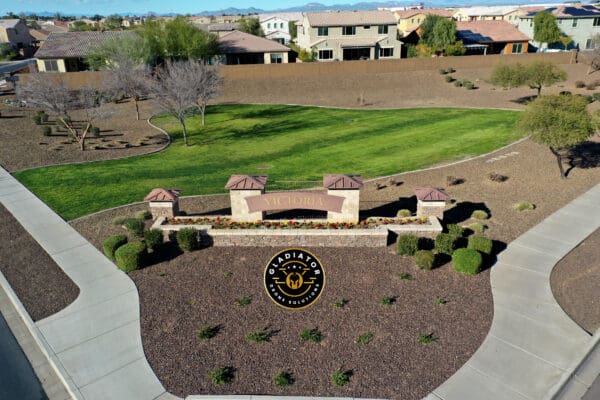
{"x":341,"y":181}
{"x":159,"y":194}
{"x":246,"y":182}
{"x":431,"y":194}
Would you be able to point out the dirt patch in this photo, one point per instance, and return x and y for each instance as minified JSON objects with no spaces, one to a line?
{"x":40,"y":284}
{"x":24,"y":145}
{"x":575,"y":282}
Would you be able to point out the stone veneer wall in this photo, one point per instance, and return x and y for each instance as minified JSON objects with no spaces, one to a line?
{"x":239,"y":206}
{"x":349,"y":208}
{"x":163,"y":209}
{"x":431,"y":209}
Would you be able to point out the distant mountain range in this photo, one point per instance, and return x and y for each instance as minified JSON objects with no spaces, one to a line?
{"x":322,"y":7}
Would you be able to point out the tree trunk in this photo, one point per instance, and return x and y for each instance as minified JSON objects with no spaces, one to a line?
{"x":83,"y":135}
{"x":559,"y":161}
{"x":182,"y":122}
{"x":202,"y":111}
{"x":137,"y":109}
{"x":539,"y":91}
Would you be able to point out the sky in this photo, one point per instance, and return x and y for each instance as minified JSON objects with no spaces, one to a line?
{"x":107,"y":7}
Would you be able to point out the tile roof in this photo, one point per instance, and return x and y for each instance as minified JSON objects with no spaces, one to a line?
{"x":567,"y":11}
{"x":246,"y":182}
{"x":75,"y":44}
{"x":349,"y":18}
{"x":488,"y":31}
{"x":159,"y":194}
{"x":39,"y":34}
{"x":237,"y":42}
{"x":487,"y":10}
{"x":9,"y":23}
{"x":427,"y":11}
{"x":340,"y":181}
{"x":431,"y":194}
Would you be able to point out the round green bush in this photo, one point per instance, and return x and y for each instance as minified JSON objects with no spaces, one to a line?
{"x":442,"y":71}
{"x":154,"y":238}
{"x":424,"y":259}
{"x":469,"y":85}
{"x":408,"y":245}
{"x":455,"y":230}
{"x":119,"y":220}
{"x":131,"y":256}
{"x":480,"y":214}
{"x":458,"y":83}
{"x":477,"y":227}
{"x":403,"y":213}
{"x":134,"y":226}
{"x":467,"y":261}
{"x":143,"y":214}
{"x":481,"y":244}
{"x":187,"y":239}
{"x":524,"y":206}
{"x":444,"y":243}
{"x":449,"y":78}
{"x":111,"y":244}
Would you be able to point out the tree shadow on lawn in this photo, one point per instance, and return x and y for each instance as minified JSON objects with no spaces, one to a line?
{"x":269,"y":128}
{"x":271,"y":112}
{"x":585,"y":155}
{"x":462,"y":211}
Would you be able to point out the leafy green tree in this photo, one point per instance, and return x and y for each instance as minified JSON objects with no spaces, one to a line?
{"x":557,"y":121}
{"x":96,"y":17}
{"x":7,"y":52}
{"x":455,"y":49}
{"x":536,"y":75}
{"x":129,"y":46}
{"x":545,"y":28}
{"x":251,"y":26}
{"x":438,"y":33}
{"x":79,"y":26}
{"x":293,"y":29}
{"x":113,"y":23}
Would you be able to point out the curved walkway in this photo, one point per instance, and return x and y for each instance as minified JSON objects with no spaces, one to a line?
{"x":533,"y":350}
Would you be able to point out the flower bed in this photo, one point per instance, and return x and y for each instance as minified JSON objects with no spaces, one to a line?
{"x":227,"y":223}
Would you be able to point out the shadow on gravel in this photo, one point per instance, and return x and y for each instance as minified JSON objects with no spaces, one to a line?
{"x":168,"y":251}
{"x":462,"y":211}
{"x":390,"y":210}
{"x":489,"y":260}
{"x":524,"y":100}
{"x":585,"y":155}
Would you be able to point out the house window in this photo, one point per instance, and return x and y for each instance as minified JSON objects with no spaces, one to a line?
{"x":268,"y":25}
{"x":574,"y":22}
{"x":559,"y":21}
{"x":276,"y":59}
{"x":348,"y":30}
{"x":589,"y":44}
{"x":323,"y":31}
{"x":281,"y":25}
{"x":596,"y":21}
{"x":386,"y":52}
{"x":51,"y":65}
{"x":517,"y":48}
{"x":383,"y":30}
{"x":367,"y":27}
{"x":412,"y":21}
{"x":510,"y":17}
{"x":325,"y":54}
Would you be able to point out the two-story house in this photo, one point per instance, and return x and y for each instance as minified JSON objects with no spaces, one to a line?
{"x":276,"y":28}
{"x":580,"y":22}
{"x":350,"y":35}
{"x":15,"y":32}
{"x":410,"y":20}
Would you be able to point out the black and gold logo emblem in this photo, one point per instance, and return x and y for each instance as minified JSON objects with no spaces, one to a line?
{"x":294,"y":279}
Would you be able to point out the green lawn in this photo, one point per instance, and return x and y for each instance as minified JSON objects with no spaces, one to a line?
{"x":297,"y":143}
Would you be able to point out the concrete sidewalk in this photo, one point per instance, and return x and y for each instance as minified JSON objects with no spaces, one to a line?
{"x":95,"y":342}
{"x":533,"y":349}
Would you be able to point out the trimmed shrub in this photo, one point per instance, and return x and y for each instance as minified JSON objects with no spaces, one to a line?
{"x":579,"y":84}
{"x":408,"y":245}
{"x":154,"y":238}
{"x":444,"y":243}
{"x":403,"y":213}
{"x":37,"y":119}
{"x":283,"y":379}
{"x":495,"y":177}
{"x":442,"y":71}
{"x":187,"y":239}
{"x":467,"y":261}
{"x":481,"y":244}
{"x":477,"y":227}
{"x":469,"y":85}
{"x":458,"y":83}
{"x":424,"y":259}
{"x":112,"y":243}
{"x":131,"y":256}
{"x":449,"y":78}
{"x":314,"y":335}
{"x":450,"y":70}
{"x":453,"y":181}
{"x":134,"y":226}
{"x":220,"y":376}
{"x":524,"y":206}
{"x":119,"y":220}
{"x":340,"y":377}
{"x":46,"y":130}
{"x":455,"y":230}
{"x":480,"y":214}
{"x":143,"y":214}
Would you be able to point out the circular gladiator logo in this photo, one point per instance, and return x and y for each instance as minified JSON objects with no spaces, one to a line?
{"x":294,"y":279}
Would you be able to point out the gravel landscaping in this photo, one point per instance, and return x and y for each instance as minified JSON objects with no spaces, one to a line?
{"x":40,"y":284}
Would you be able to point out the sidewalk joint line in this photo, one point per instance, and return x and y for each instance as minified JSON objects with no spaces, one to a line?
{"x":97,"y":336}
{"x":527,"y":352}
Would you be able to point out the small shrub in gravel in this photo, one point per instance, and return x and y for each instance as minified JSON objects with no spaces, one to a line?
{"x":424,"y":259}
{"x":143,"y":215}
{"x":403,"y":213}
{"x":37,"y":119}
{"x":283,"y":379}
{"x":524,"y":206}
{"x":43,"y":117}
{"x":340,"y":377}
{"x":111,"y":244}
{"x":131,"y":256}
{"x":453,"y":181}
{"x":154,"y":238}
{"x":477,"y":227}
{"x":187,"y":239}
{"x":208,"y":332}
{"x":579,"y":84}
{"x":408,"y":245}
{"x":495,"y":177}
{"x":481,"y":244}
{"x":426,"y":338}
{"x":469,"y":85}
{"x":444,"y":243}
{"x":450,"y":70}
{"x":458,"y":83}
{"x":455,"y":230}
{"x":449,"y":78}
{"x":387,"y":300}
{"x":244,"y":301}
{"x":46,"y":131}
{"x":442,"y":71}
{"x":119,"y":220}
{"x":259,"y":336}
{"x":480,"y":214}
{"x":134,"y":226}
{"x":221,"y":376}
{"x":340,"y":302}
{"x":314,"y":335}
{"x":439,"y":300}
{"x":406,"y":277}
{"x":467,"y":261}
{"x":365,"y":338}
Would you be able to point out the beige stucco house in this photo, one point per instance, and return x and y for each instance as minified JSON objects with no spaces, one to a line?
{"x":15,"y":32}
{"x":350,"y":35}
{"x":410,"y":20}
{"x":243,"y":48}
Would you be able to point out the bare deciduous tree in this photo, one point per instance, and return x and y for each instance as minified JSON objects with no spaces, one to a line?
{"x":595,"y":57}
{"x":91,"y":102}
{"x":207,"y":83}
{"x":130,"y":79}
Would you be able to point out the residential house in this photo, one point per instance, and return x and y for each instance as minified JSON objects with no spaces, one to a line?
{"x":51,"y":26}
{"x":410,"y":20}
{"x":202,"y":19}
{"x":243,"y":48}
{"x":219,"y":29}
{"x":486,"y":13}
{"x":130,"y":22}
{"x":15,"y":32}
{"x":226,"y":19}
{"x":66,"y":52}
{"x":580,"y":22}
{"x":277,"y":29}
{"x":491,"y":37}
{"x":350,"y":35}
{"x":91,"y":23}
